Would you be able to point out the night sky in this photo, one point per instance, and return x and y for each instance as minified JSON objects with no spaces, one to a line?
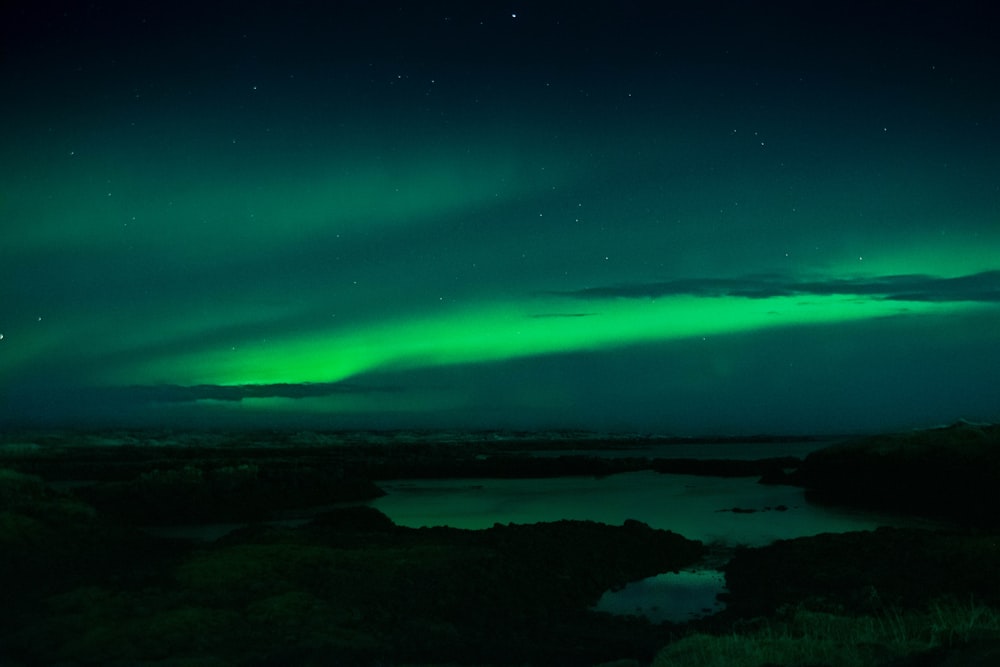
{"x":681,"y":218}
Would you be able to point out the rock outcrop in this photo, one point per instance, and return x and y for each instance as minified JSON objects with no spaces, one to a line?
{"x":950,"y":472}
{"x":852,"y":571}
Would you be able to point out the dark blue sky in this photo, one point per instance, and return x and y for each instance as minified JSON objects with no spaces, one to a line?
{"x":705,"y":217}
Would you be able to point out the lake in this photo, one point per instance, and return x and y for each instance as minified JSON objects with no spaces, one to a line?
{"x":699,"y":508}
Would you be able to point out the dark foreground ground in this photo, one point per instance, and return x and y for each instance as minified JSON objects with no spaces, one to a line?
{"x":82,"y":584}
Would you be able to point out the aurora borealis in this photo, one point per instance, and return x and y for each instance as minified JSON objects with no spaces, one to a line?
{"x":717,"y":218}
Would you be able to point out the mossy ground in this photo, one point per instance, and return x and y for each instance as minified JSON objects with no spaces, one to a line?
{"x":799,"y":635}
{"x":83,"y":586}
{"x":349,"y":588}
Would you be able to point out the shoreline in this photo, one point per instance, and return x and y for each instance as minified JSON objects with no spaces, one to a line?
{"x":549,"y":574}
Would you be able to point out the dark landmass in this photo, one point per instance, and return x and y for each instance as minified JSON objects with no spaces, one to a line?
{"x":951,"y":472}
{"x":84,"y":585}
{"x":122,"y":454}
{"x":937,"y":589}
{"x":162,"y":477}
{"x":348,"y":588}
{"x":853,"y":571}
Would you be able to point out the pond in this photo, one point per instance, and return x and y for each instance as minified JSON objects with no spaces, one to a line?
{"x":724,"y":512}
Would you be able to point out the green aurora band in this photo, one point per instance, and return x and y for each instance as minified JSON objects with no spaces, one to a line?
{"x":189,"y":254}
{"x":503,"y":331}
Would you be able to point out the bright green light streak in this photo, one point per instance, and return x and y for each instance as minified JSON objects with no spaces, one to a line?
{"x":503,"y":331}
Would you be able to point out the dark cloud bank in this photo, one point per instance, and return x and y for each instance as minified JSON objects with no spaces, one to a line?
{"x":172,"y":393}
{"x":984,"y":287}
{"x":981,"y":287}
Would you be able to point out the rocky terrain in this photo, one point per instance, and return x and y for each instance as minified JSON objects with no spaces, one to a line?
{"x":85,"y":584}
{"x":947,"y":579}
{"x":347,"y":588}
{"x":949,"y":472}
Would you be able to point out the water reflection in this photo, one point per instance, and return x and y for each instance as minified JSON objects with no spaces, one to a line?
{"x":699,"y":508}
{"x":723,"y":512}
{"x":673,"y":596}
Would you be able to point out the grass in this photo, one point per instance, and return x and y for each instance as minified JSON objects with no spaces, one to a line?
{"x":801,"y":636}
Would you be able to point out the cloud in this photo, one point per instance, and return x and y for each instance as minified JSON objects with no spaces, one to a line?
{"x":983,"y":287}
{"x":543,"y":316}
{"x":173,"y":393}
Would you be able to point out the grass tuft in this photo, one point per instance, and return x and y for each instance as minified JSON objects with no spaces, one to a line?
{"x":800,"y":636}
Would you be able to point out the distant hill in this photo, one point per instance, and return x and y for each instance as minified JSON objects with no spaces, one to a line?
{"x":951,"y":472}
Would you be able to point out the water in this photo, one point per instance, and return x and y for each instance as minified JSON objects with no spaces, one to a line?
{"x":671,"y":596}
{"x":699,"y":508}
{"x":696,"y":507}
{"x":745,"y":451}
